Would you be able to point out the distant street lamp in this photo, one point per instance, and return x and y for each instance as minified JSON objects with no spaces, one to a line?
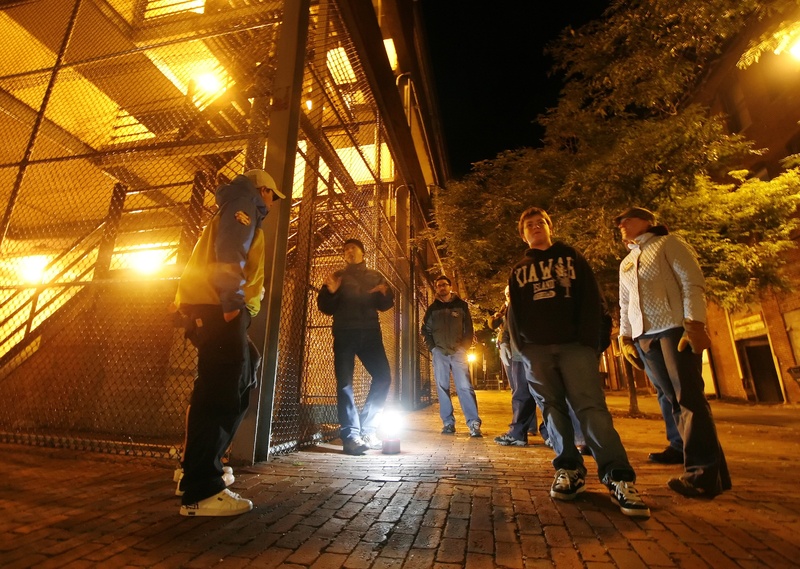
{"x":471,"y":357}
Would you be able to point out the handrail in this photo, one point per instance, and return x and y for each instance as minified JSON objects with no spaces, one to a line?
{"x":81,"y":249}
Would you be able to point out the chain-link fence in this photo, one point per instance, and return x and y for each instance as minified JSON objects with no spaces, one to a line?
{"x":119,"y":118}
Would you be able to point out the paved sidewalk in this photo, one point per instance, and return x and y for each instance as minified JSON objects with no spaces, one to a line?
{"x":446,"y":501}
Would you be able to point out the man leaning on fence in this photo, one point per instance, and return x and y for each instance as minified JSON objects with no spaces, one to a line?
{"x":354,"y":296}
{"x":220,"y":291}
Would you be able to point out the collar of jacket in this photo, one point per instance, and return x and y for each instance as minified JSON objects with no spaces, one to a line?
{"x":453,"y":298}
{"x":556,"y":245}
{"x":654,"y":231}
{"x":356,"y":267}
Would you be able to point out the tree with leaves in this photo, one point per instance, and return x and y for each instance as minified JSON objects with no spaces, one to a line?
{"x":625,"y":132}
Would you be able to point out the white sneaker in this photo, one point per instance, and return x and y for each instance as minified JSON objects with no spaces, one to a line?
{"x":226,"y":503}
{"x":177,"y":476}
{"x":372,"y":441}
{"x":227,"y":477}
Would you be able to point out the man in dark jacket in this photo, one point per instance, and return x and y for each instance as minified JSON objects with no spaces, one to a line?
{"x":353,"y":296}
{"x":447,"y":329}
{"x":555,"y":318}
{"x":219,"y":292}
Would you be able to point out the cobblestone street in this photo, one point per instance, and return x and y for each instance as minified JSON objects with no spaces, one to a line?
{"x":445,"y":501}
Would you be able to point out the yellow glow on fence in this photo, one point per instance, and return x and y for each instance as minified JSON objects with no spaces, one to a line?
{"x":471,"y":357}
{"x":339,"y":66}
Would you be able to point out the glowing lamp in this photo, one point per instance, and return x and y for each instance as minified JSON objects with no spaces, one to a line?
{"x":392,"y":425}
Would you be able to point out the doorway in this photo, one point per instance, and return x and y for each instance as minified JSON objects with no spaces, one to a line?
{"x":761,"y":379}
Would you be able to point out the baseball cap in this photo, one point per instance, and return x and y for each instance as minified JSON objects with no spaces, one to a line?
{"x":261,"y":179}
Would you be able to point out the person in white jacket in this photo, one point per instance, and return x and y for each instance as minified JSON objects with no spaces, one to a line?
{"x":663,"y":330}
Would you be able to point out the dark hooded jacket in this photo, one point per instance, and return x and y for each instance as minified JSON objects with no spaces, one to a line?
{"x":555,"y":299}
{"x":227,"y":265}
{"x":352,"y":306}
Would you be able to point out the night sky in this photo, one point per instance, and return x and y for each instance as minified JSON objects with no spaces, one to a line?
{"x":491,"y":73}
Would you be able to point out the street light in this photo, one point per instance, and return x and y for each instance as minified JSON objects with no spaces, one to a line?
{"x":471,"y":356}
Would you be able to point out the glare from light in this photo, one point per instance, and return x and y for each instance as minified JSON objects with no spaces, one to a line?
{"x":166,"y":7}
{"x":392,"y":423}
{"x":471,"y":357}
{"x":147,"y":262}
{"x":31,"y":269}
{"x":309,"y":104}
{"x":208,"y":83}
{"x":391,"y":53}
{"x":794,"y":51}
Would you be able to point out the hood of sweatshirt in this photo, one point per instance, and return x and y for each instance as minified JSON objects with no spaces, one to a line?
{"x":238,"y":187}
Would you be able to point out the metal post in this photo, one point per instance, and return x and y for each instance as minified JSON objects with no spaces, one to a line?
{"x":106,"y":250}
{"x":191,"y":228}
{"x":251,"y":443}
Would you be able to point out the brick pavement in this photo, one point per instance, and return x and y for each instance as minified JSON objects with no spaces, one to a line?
{"x":445,"y":502}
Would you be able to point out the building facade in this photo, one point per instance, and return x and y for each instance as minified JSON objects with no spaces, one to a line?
{"x":756,"y":349}
{"x":119,"y":119}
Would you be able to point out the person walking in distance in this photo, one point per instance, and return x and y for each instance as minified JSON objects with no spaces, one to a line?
{"x":662,"y":328}
{"x":219,"y":292}
{"x":354,"y":296}
{"x":448,"y":333}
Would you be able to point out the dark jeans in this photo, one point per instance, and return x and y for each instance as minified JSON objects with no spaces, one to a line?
{"x":669,"y":413}
{"x":368,"y":346}
{"x":680,"y":376}
{"x":221,"y":394}
{"x":523,"y":405}
{"x":580,"y":440}
{"x":560,"y":373}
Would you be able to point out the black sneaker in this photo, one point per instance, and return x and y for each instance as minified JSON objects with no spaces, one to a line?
{"x":448,"y":429}
{"x":507,"y":440}
{"x":567,"y":484}
{"x":627,"y":497}
{"x":686,"y":488}
{"x":354,"y":446}
{"x":475,"y":429}
{"x":667,"y":456}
